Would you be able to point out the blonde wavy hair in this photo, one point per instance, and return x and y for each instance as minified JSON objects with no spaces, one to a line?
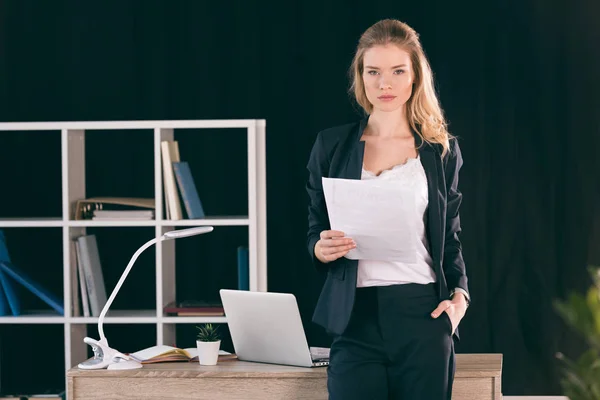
{"x":423,"y":110}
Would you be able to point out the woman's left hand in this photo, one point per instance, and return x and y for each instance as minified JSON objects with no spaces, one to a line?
{"x":455,"y":308}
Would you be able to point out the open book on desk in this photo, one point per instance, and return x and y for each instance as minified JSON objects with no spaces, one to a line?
{"x":164,"y":353}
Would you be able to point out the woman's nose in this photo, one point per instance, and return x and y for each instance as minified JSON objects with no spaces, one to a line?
{"x":383,"y":84}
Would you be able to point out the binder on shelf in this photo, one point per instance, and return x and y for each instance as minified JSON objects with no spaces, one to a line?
{"x":92,"y":270}
{"x":85,"y":304}
{"x":243,"y":268}
{"x":35,"y":288}
{"x":84,"y":209}
{"x":187,"y":189}
{"x":75,"y":295}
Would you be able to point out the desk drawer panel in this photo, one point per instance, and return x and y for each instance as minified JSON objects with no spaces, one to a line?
{"x":167,"y":388}
{"x":92,"y":388}
{"x":473,"y":389}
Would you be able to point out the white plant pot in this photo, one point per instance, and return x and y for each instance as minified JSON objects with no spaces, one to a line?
{"x":208,"y":352}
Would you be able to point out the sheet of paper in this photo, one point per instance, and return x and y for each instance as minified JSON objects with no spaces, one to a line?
{"x":377,"y":214}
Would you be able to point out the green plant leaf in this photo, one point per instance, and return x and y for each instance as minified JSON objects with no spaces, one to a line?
{"x":581,"y":378}
{"x":578,"y":315}
{"x":208,"y":333}
{"x":593,"y":303}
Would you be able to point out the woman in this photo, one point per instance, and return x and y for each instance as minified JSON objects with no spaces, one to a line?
{"x":392,"y":323}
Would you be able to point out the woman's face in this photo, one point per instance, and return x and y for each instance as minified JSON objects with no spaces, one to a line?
{"x":388,"y":77}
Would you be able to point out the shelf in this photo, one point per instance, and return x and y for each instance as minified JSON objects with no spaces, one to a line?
{"x":150,"y":124}
{"x":120,"y":317}
{"x":233,"y":220}
{"x":114,"y":222}
{"x":149,"y":325}
{"x":34,"y":317}
{"x":31,"y":222}
{"x":142,"y":317}
{"x":194,"y":320}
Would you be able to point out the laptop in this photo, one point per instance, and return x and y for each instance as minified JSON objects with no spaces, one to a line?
{"x":266,"y":327}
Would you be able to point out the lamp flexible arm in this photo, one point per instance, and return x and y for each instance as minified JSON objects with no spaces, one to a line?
{"x":120,"y":283}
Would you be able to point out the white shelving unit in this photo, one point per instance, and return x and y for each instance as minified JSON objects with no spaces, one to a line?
{"x":73,"y":189}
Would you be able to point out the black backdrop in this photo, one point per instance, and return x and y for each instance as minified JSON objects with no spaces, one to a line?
{"x":518,"y":80}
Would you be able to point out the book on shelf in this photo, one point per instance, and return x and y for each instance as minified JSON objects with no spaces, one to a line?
{"x":100,"y":215}
{"x":178,"y":184}
{"x":90,"y":271}
{"x":170,"y":154}
{"x":74,"y":289}
{"x":243,"y":268}
{"x":10,"y":273}
{"x":82,"y":293}
{"x":188,"y":191}
{"x":85,"y":208}
{"x":164,"y":353}
{"x":195,"y":308}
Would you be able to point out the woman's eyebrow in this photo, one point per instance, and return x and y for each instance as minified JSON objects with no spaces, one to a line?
{"x":395,"y":66}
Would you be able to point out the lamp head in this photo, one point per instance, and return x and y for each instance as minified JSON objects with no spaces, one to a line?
{"x":187,"y":232}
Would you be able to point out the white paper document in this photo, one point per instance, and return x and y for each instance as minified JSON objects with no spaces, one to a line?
{"x":378,"y":215}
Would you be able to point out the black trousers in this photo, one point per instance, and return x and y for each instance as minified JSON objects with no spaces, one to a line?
{"x":393,"y":348}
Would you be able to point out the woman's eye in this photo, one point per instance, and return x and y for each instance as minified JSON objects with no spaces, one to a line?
{"x":372,"y":72}
{"x":399,"y":71}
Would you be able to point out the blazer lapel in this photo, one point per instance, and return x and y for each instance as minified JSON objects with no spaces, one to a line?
{"x":429,"y":160}
{"x":356,"y":149}
{"x":355,"y":161}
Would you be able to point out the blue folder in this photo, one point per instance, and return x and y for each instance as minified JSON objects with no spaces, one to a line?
{"x":3,"y":249}
{"x":22,"y":278}
{"x":9,"y":302}
{"x":4,"y":310}
{"x":10,"y":295}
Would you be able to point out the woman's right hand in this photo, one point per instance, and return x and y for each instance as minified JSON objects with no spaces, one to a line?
{"x":333,"y":245}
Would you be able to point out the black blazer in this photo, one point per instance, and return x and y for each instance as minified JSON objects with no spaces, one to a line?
{"x":338,"y":153}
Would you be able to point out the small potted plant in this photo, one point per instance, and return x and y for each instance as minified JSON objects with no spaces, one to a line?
{"x":208,"y":343}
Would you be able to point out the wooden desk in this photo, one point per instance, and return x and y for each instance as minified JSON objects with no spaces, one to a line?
{"x":477,"y":378}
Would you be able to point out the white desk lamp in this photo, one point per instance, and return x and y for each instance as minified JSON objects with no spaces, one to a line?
{"x":105,"y":356}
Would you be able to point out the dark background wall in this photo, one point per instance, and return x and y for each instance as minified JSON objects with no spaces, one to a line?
{"x":518,"y":80}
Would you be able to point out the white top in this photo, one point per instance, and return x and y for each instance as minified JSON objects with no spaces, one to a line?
{"x":384,"y":273}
